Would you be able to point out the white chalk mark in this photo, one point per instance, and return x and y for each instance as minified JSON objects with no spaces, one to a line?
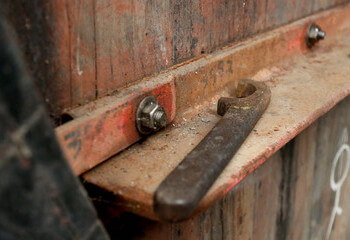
{"x":336,"y":185}
{"x":80,"y":72}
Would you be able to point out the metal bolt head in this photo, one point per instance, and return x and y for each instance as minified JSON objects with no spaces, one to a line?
{"x":314,"y":34}
{"x":150,"y":116}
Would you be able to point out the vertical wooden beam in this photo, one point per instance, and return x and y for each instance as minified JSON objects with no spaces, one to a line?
{"x":81,"y":38}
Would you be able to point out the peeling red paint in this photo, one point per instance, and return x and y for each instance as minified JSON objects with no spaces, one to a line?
{"x":107,"y":126}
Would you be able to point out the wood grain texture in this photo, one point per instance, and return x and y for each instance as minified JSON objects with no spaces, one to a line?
{"x":288,"y":197}
{"x":80,"y":37}
{"x":81,"y":50}
{"x":41,"y":29}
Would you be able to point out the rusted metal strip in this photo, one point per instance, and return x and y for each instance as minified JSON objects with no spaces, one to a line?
{"x":179,"y":194}
{"x":105,"y":127}
{"x":305,"y":83}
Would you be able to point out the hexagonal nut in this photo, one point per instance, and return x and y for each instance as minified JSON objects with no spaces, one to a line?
{"x":150,"y":116}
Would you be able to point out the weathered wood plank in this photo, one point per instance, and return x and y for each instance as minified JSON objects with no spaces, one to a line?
{"x":79,"y":50}
{"x":301,"y":183}
{"x":42,"y":30}
{"x":328,"y":140}
{"x":132,"y":41}
{"x":81,"y":42}
{"x":267,"y":193}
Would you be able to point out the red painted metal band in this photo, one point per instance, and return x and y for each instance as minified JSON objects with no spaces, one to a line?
{"x":107,"y":126}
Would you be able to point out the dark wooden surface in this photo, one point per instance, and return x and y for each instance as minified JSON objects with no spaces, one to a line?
{"x":81,"y":50}
{"x":288,"y":197}
{"x":40,"y":198}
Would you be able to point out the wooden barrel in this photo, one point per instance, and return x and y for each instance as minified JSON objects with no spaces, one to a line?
{"x":94,"y":61}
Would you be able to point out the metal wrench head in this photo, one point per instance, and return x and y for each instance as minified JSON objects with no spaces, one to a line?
{"x":247,"y":94}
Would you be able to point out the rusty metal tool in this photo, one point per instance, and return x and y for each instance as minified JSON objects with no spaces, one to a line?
{"x":179,"y":194}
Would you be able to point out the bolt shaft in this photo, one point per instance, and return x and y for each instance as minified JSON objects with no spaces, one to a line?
{"x":314,"y":34}
{"x":321,"y":34}
{"x":158,"y":115}
{"x":160,"y":118}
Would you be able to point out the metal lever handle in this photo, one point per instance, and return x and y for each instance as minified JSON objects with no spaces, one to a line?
{"x":179,"y":194}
